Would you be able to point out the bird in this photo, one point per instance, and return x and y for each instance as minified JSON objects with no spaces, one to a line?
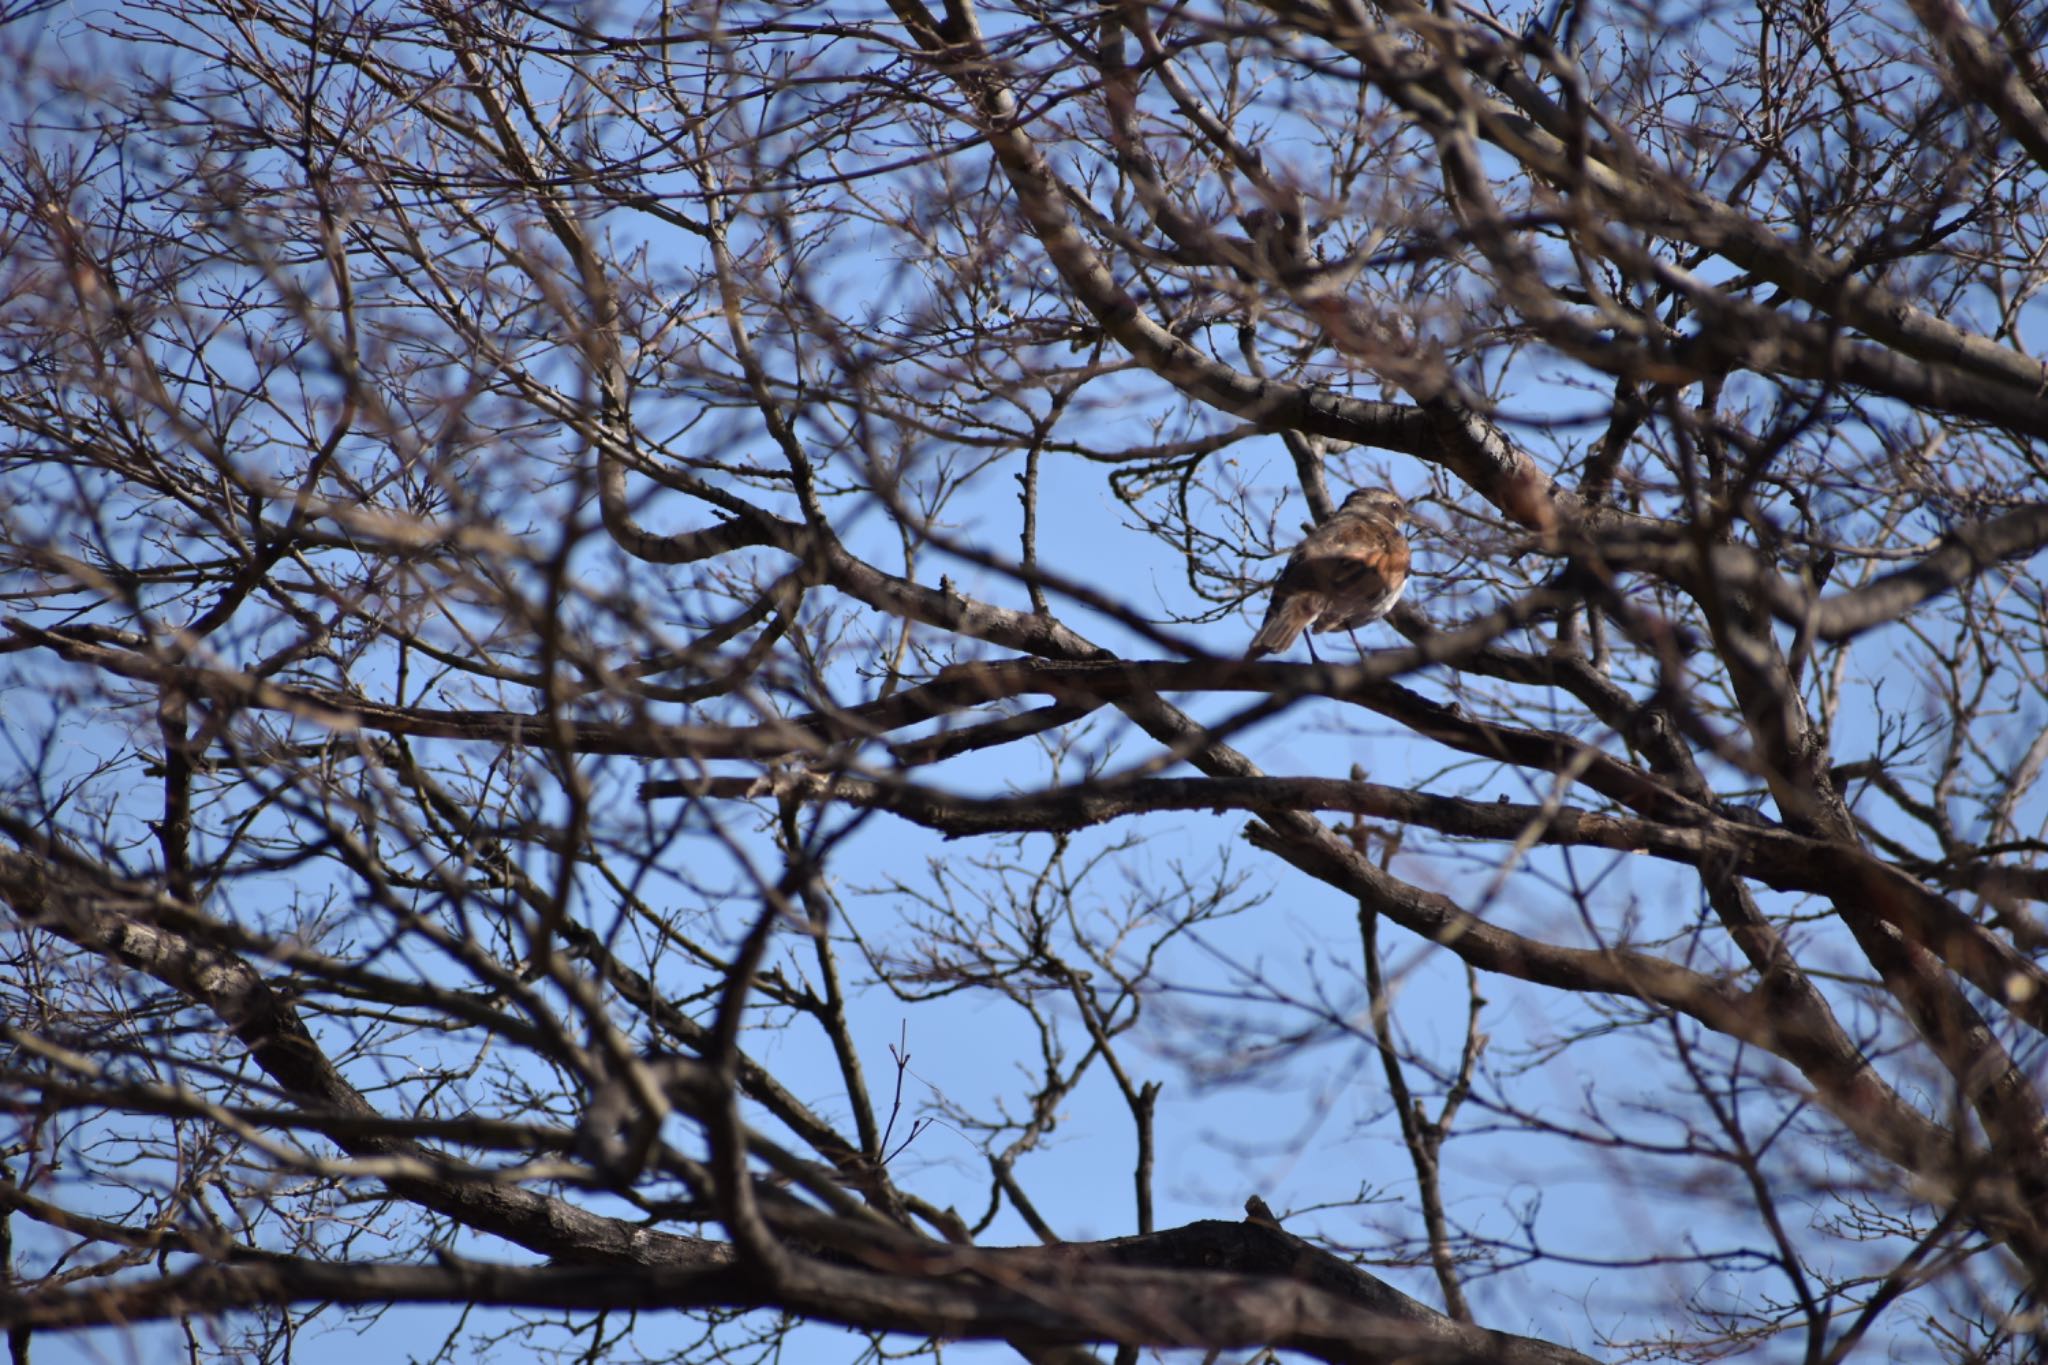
{"x":1346,"y":572}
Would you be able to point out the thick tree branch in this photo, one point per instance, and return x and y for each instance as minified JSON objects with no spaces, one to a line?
{"x":63,"y":896}
{"x":1206,"y":1285}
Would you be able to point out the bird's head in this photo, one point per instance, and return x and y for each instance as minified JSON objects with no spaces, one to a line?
{"x":1383,"y":501}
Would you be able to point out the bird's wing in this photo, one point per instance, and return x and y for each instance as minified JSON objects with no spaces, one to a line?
{"x":1347,"y":557}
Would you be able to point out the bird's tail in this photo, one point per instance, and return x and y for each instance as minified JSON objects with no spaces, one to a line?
{"x":1284,"y":622}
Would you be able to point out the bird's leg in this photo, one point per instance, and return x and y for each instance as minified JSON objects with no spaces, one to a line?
{"x":1310,"y":640}
{"x":1354,"y":643}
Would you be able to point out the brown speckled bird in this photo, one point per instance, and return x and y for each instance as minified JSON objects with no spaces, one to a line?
{"x":1346,"y":572}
